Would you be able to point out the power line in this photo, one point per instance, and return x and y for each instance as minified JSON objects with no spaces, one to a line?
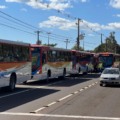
{"x":53,"y":38}
{"x":27,"y":25}
{"x":16,"y":22}
{"x":17,"y":19}
{"x":16,"y":28}
{"x":69,"y":16}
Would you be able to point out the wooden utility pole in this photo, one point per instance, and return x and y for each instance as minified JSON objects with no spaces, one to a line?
{"x":38,"y":42}
{"x":101,"y":38}
{"x":67,"y":41}
{"x":48,"y":37}
{"x":78,"y":39}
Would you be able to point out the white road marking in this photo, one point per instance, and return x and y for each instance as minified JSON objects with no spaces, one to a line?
{"x":51,"y":104}
{"x":25,"y":86}
{"x":60,"y":116}
{"x":38,"y":110}
{"x":65,"y":97}
{"x":14,"y":93}
{"x":81,"y":89}
{"x":62,"y":99}
{"x":89,"y":85}
{"x":93,"y":84}
{"x":85,"y":87}
{"x":36,"y":87}
{"x":75,"y":92}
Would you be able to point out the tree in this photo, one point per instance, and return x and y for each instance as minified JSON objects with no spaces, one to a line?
{"x":110,"y":45}
{"x":52,"y":45}
{"x":100,"y":48}
{"x":75,"y":48}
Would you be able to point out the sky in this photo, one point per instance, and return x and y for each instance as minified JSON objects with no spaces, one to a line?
{"x":57,"y":21}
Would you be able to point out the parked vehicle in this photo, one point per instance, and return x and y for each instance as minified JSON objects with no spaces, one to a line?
{"x":15,"y":63}
{"x":49,"y":62}
{"x":110,"y":76}
{"x":107,"y":60}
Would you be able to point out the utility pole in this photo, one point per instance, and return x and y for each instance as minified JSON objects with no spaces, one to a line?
{"x":83,"y":43}
{"x":106,"y":44}
{"x":48,"y":37}
{"x":101,"y":38}
{"x":78,"y":39}
{"x":38,"y":41}
{"x":67,"y":41}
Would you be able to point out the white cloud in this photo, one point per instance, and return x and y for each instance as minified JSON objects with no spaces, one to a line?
{"x":59,"y":6}
{"x":52,"y":4}
{"x":109,"y":26}
{"x":112,"y":26}
{"x":118,"y":15}
{"x":61,"y":23}
{"x":92,"y":35}
{"x":88,"y":25}
{"x":14,"y":0}
{"x":2,"y":7}
{"x":64,"y":24}
{"x":115,"y":3}
{"x":83,"y":0}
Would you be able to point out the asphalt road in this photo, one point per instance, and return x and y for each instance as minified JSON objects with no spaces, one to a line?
{"x":70,"y":99}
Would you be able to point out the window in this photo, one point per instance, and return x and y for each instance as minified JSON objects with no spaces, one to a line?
{"x":57,"y":56}
{"x":1,"y":53}
{"x":35,"y":59}
{"x":12,"y":53}
{"x":7,"y":52}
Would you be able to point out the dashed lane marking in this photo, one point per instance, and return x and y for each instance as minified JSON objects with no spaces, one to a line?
{"x":85,"y":87}
{"x":81,"y":89}
{"x":51,"y":104}
{"x":65,"y":97}
{"x":40,"y":109}
{"x":89,"y":85}
{"x":60,"y":116}
{"x":76,"y":92}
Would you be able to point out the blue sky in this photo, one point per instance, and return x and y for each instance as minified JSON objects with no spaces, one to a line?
{"x":59,"y":18}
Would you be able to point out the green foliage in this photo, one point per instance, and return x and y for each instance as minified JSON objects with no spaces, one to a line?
{"x":52,"y":45}
{"x":75,"y":48}
{"x":100,"y":48}
{"x":110,"y":45}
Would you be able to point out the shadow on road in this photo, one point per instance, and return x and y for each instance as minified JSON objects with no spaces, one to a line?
{"x":113,"y":86}
{"x":67,"y":82}
{"x":73,"y":80}
{"x":16,"y":100}
{"x":30,"y":94}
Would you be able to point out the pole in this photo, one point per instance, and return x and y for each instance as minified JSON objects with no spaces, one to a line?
{"x":83,"y":45}
{"x":67,"y":41}
{"x":106,"y":45}
{"x":101,"y":38}
{"x":38,"y":41}
{"x":48,"y":37}
{"x":78,"y":39}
